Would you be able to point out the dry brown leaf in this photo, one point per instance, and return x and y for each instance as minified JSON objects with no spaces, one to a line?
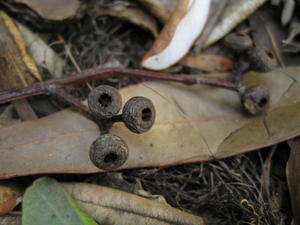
{"x":208,"y":62}
{"x":54,"y":9}
{"x":194,"y":123}
{"x":9,"y":194}
{"x":129,"y":12}
{"x":293,"y":178}
{"x":116,"y":180}
{"x":177,"y":35}
{"x":17,"y":67}
{"x":43,"y":55}
{"x":162,"y":9}
{"x":111,"y":206}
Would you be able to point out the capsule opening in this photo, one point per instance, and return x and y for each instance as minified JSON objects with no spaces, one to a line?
{"x":105,"y":100}
{"x":146,"y":114}
{"x":110,"y":157}
{"x":262,"y":102}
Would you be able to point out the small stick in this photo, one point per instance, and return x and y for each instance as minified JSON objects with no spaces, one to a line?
{"x":100,"y":72}
{"x":64,"y":95}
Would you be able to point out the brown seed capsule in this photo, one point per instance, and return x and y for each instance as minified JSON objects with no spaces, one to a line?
{"x":105,"y":101}
{"x":262,"y":59}
{"x":108,"y":152}
{"x":238,"y":42}
{"x":138,"y":114}
{"x":255,"y":99}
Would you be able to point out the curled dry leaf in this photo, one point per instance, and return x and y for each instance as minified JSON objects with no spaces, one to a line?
{"x":116,"y":180}
{"x":54,"y":9}
{"x":208,"y":62}
{"x":193,"y":123}
{"x":129,"y":12}
{"x":9,"y":196}
{"x":235,"y":12}
{"x":293,"y":178}
{"x":17,"y":67}
{"x":162,"y":9}
{"x":43,"y":54}
{"x":178,"y":34}
{"x":111,"y":206}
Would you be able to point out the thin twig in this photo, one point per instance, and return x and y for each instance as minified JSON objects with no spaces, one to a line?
{"x":100,"y":72}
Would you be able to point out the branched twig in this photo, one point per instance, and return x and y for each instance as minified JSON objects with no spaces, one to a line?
{"x":100,"y":72}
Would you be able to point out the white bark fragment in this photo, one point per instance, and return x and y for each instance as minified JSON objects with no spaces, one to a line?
{"x":186,"y":33}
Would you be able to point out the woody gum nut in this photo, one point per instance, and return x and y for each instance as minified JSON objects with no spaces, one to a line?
{"x":109,"y":152}
{"x":138,"y":114}
{"x":255,"y":99}
{"x":262,"y":59}
{"x":104,"y":101}
{"x":238,"y":42}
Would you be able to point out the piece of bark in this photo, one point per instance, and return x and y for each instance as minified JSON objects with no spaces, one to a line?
{"x":17,"y":68}
{"x":177,"y":35}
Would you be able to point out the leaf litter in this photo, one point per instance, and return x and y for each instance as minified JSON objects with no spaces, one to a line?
{"x":170,"y":181}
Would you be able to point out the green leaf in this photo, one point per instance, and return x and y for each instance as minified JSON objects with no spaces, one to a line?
{"x":46,"y":202}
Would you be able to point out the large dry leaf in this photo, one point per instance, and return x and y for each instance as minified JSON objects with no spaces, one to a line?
{"x":194,"y":123}
{"x":111,"y":206}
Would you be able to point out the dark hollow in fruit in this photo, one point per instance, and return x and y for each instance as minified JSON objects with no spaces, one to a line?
{"x":108,"y":152}
{"x":104,"y":101}
{"x":255,"y":99}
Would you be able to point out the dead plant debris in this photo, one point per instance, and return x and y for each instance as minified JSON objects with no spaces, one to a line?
{"x":250,"y":188}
